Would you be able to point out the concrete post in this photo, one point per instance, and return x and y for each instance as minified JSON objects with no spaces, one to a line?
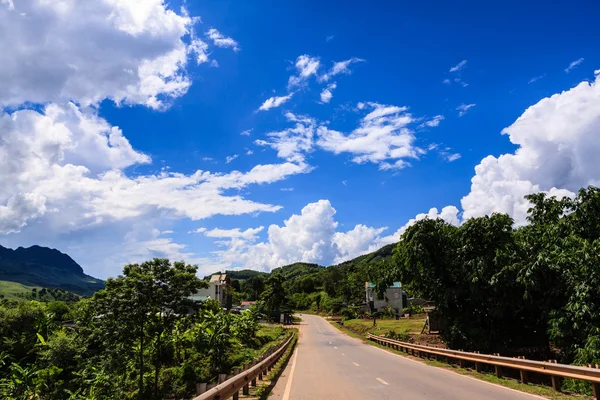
{"x":556,"y":383}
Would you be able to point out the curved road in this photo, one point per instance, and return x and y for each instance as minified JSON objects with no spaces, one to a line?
{"x":331,"y":365}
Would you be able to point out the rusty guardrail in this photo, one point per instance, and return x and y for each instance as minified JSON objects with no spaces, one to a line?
{"x":230,"y":386}
{"x":551,"y":368}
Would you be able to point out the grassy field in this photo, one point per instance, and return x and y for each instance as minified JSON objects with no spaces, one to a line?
{"x":11,"y":290}
{"x":364,"y":326}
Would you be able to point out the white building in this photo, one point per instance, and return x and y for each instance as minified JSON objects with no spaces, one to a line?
{"x":393,"y":296}
{"x":216,"y":290}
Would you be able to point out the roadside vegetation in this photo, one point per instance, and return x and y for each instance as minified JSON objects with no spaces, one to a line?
{"x":139,"y":338}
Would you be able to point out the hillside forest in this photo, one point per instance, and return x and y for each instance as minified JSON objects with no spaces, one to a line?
{"x":139,"y":338}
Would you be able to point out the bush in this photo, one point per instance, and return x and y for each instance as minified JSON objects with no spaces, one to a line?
{"x":401,"y":336}
{"x":413,"y":309}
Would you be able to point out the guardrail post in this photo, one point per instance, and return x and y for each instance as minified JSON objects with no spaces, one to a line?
{"x":596,"y":390}
{"x":556,"y":383}
{"x":524,"y":377}
{"x":236,"y":395}
{"x":260,"y":376}
{"x":246,"y":390}
{"x":477,"y":366}
{"x":253,"y":383}
{"x":200,"y":388}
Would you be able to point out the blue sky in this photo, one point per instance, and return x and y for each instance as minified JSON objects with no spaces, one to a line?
{"x":410,"y":68}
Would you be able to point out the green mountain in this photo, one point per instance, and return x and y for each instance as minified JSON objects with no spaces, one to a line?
{"x":45,"y":267}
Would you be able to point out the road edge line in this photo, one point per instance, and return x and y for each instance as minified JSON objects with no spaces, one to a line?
{"x":288,"y":386}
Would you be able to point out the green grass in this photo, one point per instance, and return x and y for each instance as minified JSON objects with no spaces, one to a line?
{"x":13,"y":290}
{"x":364,"y":326}
{"x":544,"y":391}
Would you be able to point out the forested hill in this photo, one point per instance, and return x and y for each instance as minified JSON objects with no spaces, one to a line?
{"x":308,"y":285}
{"x":46,"y":267}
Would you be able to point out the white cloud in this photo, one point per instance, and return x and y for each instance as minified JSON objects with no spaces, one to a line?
{"x":229,"y":159}
{"x":287,"y":189}
{"x":273,"y":102}
{"x":558,"y":143}
{"x":214,"y":64}
{"x":461,"y":82}
{"x":448,"y":214}
{"x":463,"y":108}
{"x":292,"y":143}
{"x":382,"y":137}
{"x":248,"y":234}
{"x":573,"y":65}
{"x":222,"y":41}
{"x":249,"y":152}
{"x":461,"y":65}
{"x":306,"y":66}
{"x":355,"y":242}
{"x":247,"y":132}
{"x":326,"y":94}
{"x":132,"y":52}
{"x":536,"y":78}
{"x":452,"y":157}
{"x":64,"y":179}
{"x":340,"y":67}
{"x":329,"y":38}
{"x":447,"y":81}
{"x":312,"y":236}
{"x":434,"y":122}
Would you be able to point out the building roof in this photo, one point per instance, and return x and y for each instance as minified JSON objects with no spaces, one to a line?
{"x":218,"y":278}
{"x":247,"y":303}
{"x":371,"y":285}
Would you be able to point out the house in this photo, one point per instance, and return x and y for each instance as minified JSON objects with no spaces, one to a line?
{"x":216,"y":290}
{"x":247,"y":304}
{"x":393,"y":297}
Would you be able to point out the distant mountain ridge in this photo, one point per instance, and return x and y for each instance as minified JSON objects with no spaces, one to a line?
{"x":46,"y":267}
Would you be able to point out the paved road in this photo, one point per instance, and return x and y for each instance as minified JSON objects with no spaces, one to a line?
{"x":330,"y":365}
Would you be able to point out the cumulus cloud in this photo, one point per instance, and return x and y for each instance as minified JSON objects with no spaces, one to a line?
{"x":463,"y":108}
{"x":132,"y":52}
{"x":220,"y":40}
{"x":573,"y":65}
{"x":306,"y":66}
{"x":458,"y":67}
{"x":326,"y":94}
{"x":557,"y":141}
{"x":272,"y":102}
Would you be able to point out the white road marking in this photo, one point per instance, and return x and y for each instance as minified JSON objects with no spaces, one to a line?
{"x":382,"y":381}
{"x":288,"y":387}
{"x":335,"y":347}
{"x":356,"y":364}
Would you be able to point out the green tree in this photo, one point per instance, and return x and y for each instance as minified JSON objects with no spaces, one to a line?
{"x":137,"y":308}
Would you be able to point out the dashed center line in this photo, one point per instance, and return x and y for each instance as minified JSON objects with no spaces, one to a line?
{"x":356,"y":364}
{"x":382,"y":381}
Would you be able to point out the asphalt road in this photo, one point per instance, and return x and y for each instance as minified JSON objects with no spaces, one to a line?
{"x":330,"y":365}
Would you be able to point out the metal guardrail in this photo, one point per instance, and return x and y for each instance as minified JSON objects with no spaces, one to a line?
{"x":554,"y":370}
{"x":230,"y":386}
